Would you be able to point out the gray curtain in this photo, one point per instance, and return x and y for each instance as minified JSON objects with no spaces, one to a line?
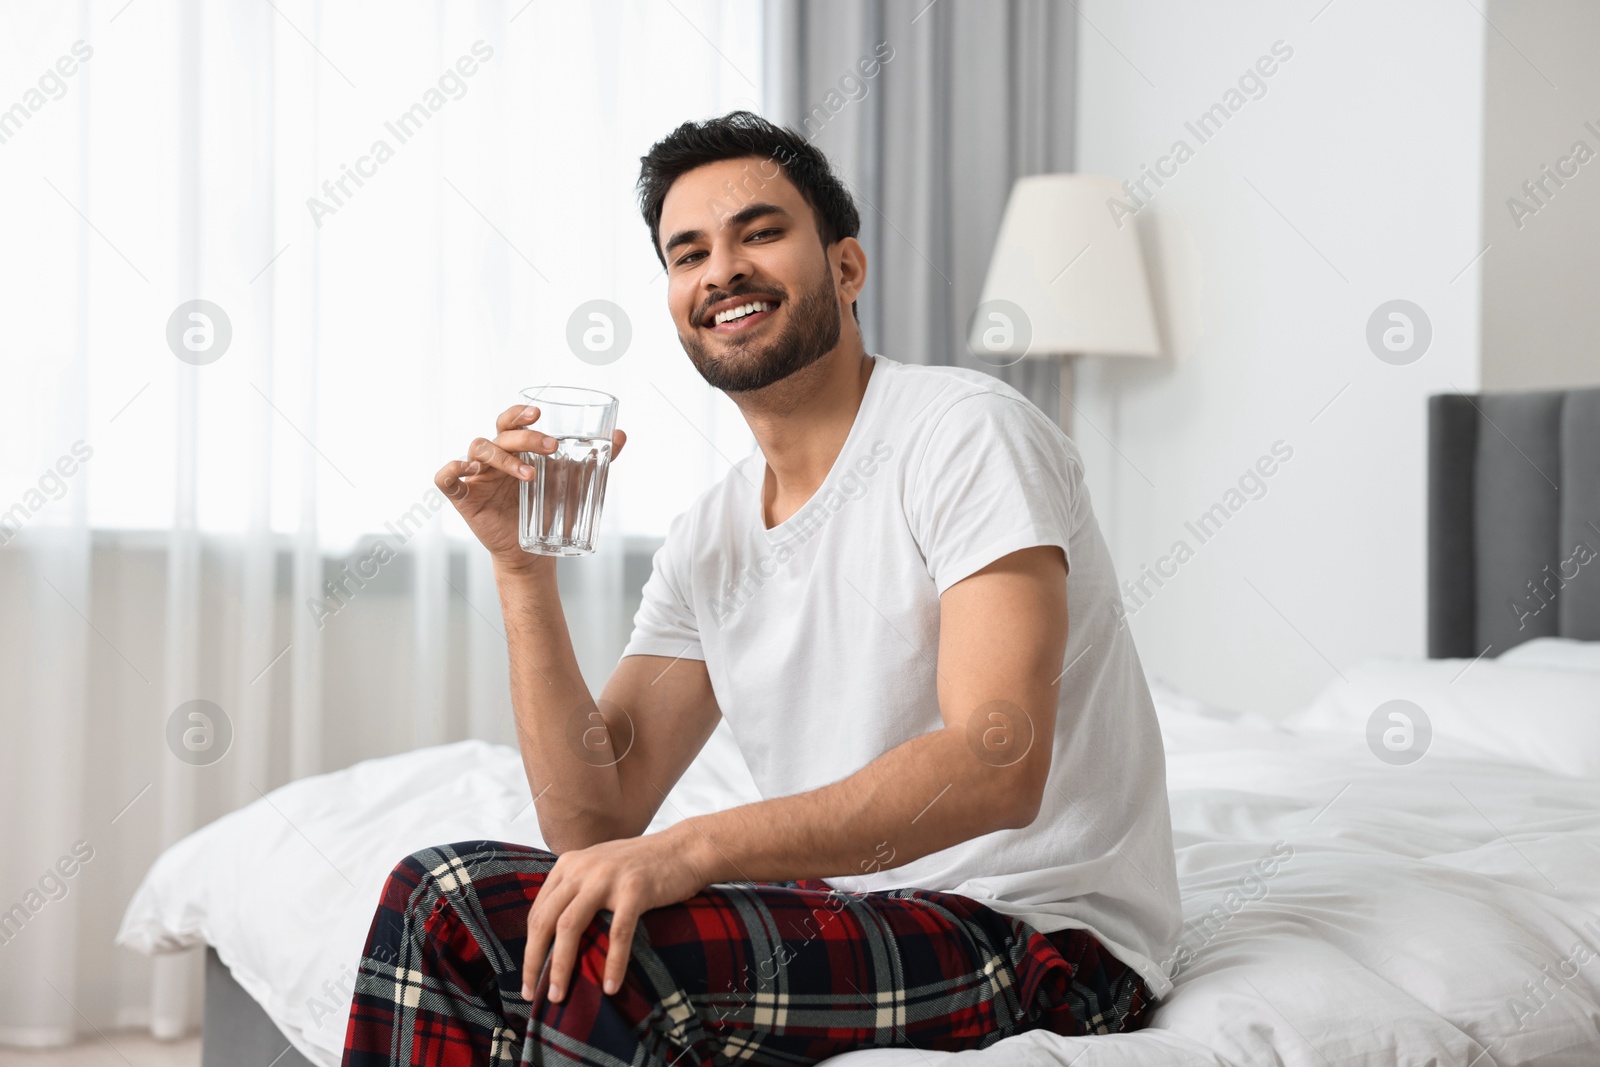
{"x":972,"y":95}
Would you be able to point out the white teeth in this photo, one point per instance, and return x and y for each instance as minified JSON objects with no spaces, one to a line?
{"x":741,"y":311}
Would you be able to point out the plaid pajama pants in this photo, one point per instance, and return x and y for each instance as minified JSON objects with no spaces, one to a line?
{"x":779,"y":973}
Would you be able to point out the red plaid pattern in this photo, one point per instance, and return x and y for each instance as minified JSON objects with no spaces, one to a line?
{"x":742,"y":972}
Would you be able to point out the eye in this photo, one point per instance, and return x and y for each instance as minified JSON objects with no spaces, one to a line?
{"x":776,"y":231}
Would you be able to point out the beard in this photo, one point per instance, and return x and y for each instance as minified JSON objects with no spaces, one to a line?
{"x":811,"y":333}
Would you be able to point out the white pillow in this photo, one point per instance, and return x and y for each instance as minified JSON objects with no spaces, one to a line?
{"x":1565,"y":652}
{"x":1539,"y":716}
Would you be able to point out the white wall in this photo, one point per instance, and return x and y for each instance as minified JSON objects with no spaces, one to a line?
{"x":1356,"y":179}
{"x":1541,"y":322}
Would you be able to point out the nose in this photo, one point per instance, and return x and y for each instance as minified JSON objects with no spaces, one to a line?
{"x":727,"y":264}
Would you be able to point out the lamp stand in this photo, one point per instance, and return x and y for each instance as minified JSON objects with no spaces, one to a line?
{"x":1064,"y":387}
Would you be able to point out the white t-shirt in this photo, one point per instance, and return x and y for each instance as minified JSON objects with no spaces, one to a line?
{"x":821,"y":638}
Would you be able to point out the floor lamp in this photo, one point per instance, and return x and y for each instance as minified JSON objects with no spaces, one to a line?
{"x":1066,"y":279}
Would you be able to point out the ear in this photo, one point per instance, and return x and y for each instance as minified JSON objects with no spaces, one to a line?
{"x":851,"y":268}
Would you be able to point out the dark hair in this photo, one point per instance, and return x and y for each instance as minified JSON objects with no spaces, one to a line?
{"x":744,"y":133}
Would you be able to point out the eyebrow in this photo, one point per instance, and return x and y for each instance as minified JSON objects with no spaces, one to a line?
{"x":738,"y":218}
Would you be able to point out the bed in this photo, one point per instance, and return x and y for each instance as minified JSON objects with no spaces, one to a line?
{"x":1356,"y":890}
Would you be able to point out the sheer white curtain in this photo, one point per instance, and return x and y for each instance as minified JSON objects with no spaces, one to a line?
{"x":394,"y":211}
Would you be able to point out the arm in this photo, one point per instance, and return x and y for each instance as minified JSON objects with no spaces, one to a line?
{"x":1002,"y":634}
{"x":654,"y":711}
{"x":598,"y":770}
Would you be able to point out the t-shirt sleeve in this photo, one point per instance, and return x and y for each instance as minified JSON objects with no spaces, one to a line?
{"x":996,"y":477}
{"x":665,"y":623}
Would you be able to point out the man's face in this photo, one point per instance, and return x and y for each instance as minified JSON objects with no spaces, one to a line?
{"x":736,"y":233}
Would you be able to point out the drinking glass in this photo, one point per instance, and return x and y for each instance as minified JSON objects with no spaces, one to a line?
{"x":559,"y":507}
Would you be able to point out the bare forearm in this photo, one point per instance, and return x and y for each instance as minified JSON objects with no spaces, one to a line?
{"x":573,"y":777}
{"x":921,"y":796}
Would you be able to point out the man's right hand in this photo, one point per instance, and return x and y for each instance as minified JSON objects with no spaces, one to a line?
{"x":484,"y":486}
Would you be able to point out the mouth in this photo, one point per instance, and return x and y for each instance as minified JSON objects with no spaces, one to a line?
{"x":741,"y":317}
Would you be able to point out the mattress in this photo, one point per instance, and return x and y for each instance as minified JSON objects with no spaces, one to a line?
{"x":1339,"y":908}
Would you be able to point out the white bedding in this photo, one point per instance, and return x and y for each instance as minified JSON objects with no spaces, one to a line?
{"x":1339,"y":910}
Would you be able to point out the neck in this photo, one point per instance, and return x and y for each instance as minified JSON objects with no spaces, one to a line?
{"x":801,"y":424}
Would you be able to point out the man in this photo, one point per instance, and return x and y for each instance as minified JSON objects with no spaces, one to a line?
{"x":903,"y":606}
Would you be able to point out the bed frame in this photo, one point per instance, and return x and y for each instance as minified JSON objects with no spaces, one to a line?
{"x":1513,"y":491}
{"x":236,"y":1029}
{"x":1513,"y":520}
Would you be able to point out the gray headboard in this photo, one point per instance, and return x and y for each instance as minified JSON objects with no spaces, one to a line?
{"x":1513,"y":520}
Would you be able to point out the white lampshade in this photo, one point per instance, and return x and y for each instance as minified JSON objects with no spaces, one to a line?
{"x":1077,"y":277}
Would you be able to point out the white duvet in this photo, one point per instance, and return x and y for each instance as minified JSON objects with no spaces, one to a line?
{"x":1339,"y":910}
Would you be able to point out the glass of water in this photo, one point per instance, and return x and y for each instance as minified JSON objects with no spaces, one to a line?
{"x":559,"y":507}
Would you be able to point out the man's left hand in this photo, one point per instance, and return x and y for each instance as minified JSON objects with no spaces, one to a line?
{"x":628,"y":876}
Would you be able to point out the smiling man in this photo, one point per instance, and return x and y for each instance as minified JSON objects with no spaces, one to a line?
{"x":903,"y":607}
